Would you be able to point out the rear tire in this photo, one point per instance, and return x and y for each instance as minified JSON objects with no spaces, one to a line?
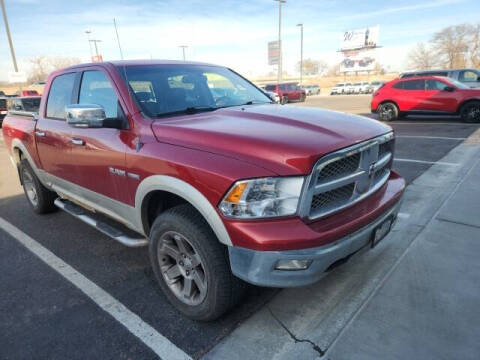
{"x":388,"y":111}
{"x":284,"y":100}
{"x":191,"y":266}
{"x":302,"y":98}
{"x":41,"y":199}
{"x":470,"y":112}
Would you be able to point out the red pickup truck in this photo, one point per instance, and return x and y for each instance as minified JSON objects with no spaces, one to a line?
{"x":197,"y":163}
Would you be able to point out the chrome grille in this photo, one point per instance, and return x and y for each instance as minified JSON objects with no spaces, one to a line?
{"x":340,"y":168}
{"x":345,"y":177}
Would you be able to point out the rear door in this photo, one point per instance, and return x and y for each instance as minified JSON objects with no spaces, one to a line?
{"x":52,"y":133}
{"x":411,"y":96}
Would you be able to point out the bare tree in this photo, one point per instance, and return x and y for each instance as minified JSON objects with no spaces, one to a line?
{"x":474,"y":50}
{"x":41,"y":66}
{"x":421,"y":57}
{"x":452,"y":45}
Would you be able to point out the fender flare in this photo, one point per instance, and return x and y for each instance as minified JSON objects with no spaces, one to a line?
{"x":187,"y":192}
{"x":17,"y":144}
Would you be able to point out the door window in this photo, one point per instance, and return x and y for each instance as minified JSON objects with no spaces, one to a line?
{"x":435,"y":85}
{"x":414,"y":85}
{"x":97,"y":89}
{"x":468,"y":76}
{"x":60,"y":95}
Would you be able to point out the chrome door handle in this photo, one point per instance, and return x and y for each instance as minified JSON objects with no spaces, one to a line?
{"x":78,"y":142}
{"x":40,"y":133}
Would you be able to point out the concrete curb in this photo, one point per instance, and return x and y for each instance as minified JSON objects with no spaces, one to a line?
{"x":317,"y":315}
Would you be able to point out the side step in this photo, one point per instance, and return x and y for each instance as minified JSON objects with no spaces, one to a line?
{"x":117,"y":232}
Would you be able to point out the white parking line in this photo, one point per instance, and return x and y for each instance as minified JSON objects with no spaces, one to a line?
{"x":425,"y":162}
{"x":147,"y":334}
{"x":430,"y":137}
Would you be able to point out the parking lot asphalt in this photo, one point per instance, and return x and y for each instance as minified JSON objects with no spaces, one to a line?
{"x":45,"y":316}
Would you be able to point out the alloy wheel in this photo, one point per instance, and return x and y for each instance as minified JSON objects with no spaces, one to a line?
{"x":182,"y":268}
{"x":29,"y":186}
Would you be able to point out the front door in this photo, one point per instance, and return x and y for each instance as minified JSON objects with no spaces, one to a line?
{"x":99,"y":153}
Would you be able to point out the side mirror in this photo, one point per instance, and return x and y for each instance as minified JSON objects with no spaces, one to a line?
{"x":85,"y":115}
{"x":448,"y":88}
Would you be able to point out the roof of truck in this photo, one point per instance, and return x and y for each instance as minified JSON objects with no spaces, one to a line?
{"x":143,"y":62}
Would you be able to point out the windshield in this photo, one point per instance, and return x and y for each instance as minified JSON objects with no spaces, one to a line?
{"x":458,"y":84}
{"x":168,"y":89}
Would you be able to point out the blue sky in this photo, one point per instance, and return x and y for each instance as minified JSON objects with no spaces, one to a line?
{"x":229,"y":32}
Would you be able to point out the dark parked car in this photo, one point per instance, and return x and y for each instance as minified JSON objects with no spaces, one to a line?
{"x":3,"y":109}
{"x":470,"y":77}
{"x":426,"y":95}
{"x":28,"y":105}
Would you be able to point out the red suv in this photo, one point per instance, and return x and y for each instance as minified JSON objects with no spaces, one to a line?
{"x":287,"y":92}
{"x":426,"y":95}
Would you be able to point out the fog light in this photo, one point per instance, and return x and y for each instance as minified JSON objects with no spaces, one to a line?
{"x":293,"y":264}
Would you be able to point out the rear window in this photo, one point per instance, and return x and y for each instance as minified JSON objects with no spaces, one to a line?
{"x":31,"y":105}
{"x":60,"y":95}
{"x":270,"y":87}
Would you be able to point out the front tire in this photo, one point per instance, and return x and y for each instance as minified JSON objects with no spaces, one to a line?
{"x":302,"y":98}
{"x":191,"y":266}
{"x":40,"y":199}
{"x":470,"y":112}
{"x":284,"y":100}
{"x":388,"y":112}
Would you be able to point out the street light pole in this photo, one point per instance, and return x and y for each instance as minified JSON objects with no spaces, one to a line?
{"x":301,"y":52}
{"x":10,"y":42}
{"x":183,"y":50}
{"x":88,"y":32}
{"x":96,"y":47}
{"x":279,"y":79}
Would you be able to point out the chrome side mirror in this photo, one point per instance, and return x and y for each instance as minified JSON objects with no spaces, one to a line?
{"x":85,"y":115}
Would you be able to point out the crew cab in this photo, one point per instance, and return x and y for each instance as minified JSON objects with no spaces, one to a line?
{"x":470,"y":77}
{"x":224,"y":187}
{"x":287,"y":92}
{"x":426,"y":95}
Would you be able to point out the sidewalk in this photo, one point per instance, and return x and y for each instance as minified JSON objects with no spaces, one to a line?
{"x":416,"y":296}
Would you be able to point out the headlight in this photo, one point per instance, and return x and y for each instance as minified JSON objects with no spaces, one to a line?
{"x":262,"y":198}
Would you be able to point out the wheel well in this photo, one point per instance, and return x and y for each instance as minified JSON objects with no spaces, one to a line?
{"x":155,"y":203}
{"x":389,"y":101}
{"x":465,"y":103}
{"x":17,"y":155}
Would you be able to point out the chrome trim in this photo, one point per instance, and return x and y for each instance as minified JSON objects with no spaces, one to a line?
{"x":363,"y":177}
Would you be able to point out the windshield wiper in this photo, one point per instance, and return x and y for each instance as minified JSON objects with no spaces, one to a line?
{"x":252,"y":102}
{"x":188,"y":111}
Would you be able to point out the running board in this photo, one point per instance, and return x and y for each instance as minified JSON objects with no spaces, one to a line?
{"x":117,"y":232}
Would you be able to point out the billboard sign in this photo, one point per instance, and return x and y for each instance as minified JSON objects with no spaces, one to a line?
{"x":273,"y":53}
{"x":355,"y":60}
{"x":17,"y":77}
{"x":360,"y":38}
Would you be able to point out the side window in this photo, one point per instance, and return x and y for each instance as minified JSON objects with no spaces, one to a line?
{"x":97,"y":89}
{"x":398,"y":85}
{"x":435,"y":85}
{"x":414,"y":85}
{"x":60,"y":95}
{"x":282,"y":87}
{"x":468,"y":76}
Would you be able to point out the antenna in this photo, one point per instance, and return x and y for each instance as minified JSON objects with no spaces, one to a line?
{"x":118,"y":39}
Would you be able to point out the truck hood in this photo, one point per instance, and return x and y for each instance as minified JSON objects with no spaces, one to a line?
{"x":287,"y":140}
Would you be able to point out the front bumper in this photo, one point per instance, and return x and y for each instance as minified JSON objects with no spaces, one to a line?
{"x":258,"y":267}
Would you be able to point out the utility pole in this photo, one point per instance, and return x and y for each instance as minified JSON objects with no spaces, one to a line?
{"x":118,"y":39}
{"x":183,"y":50}
{"x":279,"y":80}
{"x":10,"y":42}
{"x":88,"y":32}
{"x":96,"y":47}
{"x":301,"y":52}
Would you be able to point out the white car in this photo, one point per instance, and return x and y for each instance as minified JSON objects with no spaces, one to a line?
{"x":357,"y":88}
{"x":338,"y":89}
{"x":349,"y":88}
{"x":375,"y":85}
{"x":272,"y":95}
